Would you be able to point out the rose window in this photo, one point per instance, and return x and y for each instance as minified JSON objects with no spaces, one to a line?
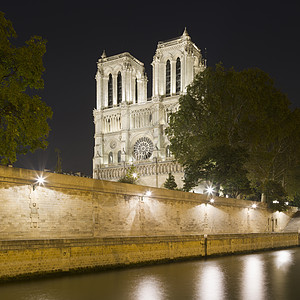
{"x":143,"y":148}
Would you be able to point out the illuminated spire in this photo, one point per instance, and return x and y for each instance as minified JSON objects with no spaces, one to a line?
{"x":103,"y":54}
{"x":185,"y":33}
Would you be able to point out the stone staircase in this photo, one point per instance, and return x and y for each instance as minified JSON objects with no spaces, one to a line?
{"x":294,"y":223}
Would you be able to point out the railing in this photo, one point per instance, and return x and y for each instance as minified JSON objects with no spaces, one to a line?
{"x":142,"y":168}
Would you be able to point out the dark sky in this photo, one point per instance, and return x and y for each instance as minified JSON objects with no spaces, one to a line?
{"x":243,"y":34}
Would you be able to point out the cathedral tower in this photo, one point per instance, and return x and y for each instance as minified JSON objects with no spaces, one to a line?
{"x":129,"y":128}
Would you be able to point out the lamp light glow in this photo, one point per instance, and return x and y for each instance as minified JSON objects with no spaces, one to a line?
{"x":209,"y":190}
{"x":148,"y":193}
{"x":254,"y":205}
{"x":212,"y":200}
{"x":40,"y":180}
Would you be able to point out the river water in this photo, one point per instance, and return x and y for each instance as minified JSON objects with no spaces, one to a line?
{"x":268,"y":275}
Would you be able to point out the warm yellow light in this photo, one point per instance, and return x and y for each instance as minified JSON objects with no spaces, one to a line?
{"x":40,"y":180}
{"x":209,"y":190}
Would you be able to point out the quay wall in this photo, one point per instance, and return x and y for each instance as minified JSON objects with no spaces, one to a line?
{"x":69,"y":207}
{"x":26,"y":258}
{"x":71,"y":223}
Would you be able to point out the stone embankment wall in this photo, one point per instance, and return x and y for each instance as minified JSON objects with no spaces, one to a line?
{"x":75,"y":207}
{"x":73,"y":223}
{"x":37,"y":257}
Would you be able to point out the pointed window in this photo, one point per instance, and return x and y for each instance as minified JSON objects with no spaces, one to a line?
{"x":119,"y":85}
{"x":178,"y":75}
{"x":168,"y":78}
{"x":110,"y":158}
{"x":168,"y":153}
{"x":136,"y":91}
{"x":119,"y":156}
{"x":110,"y":91}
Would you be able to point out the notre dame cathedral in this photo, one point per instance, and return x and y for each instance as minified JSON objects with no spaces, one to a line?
{"x":129,"y":128}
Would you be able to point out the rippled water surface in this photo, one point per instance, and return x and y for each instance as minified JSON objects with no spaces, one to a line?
{"x":268,"y":275}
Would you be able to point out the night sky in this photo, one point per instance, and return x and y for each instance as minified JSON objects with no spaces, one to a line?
{"x":243,"y":34}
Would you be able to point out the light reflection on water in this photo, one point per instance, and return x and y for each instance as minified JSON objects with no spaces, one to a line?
{"x":211,"y":282}
{"x":253,"y":278}
{"x":283,"y":259}
{"x":268,"y":275}
{"x":149,"y":288}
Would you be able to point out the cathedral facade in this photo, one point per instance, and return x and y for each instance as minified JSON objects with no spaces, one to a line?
{"x":129,"y":128}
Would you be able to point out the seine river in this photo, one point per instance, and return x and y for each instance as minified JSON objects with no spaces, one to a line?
{"x":268,"y":275}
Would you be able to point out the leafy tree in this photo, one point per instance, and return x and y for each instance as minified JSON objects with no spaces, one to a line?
{"x":131,"y":176}
{"x":23,"y":118}
{"x":276,"y":195}
{"x":170,"y":182}
{"x":296,"y":200}
{"x":221,"y":165}
{"x":235,"y":129}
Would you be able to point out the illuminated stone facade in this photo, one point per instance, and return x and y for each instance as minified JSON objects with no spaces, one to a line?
{"x":129,"y":128}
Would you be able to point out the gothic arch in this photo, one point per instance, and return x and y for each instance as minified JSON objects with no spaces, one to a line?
{"x":119,"y":88}
{"x":110,"y":91}
{"x":178,"y":75}
{"x":168,"y":77}
{"x":110,"y":158}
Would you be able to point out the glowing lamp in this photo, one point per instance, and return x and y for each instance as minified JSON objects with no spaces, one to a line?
{"x":212,"y":200}
{"x":148,"y":193}
{"x":40,"y":180}
{"x":253,"y":205}
{"x":209,"y":190}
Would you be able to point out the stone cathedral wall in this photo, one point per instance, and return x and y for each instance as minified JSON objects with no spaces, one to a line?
{"x":74,"y":207}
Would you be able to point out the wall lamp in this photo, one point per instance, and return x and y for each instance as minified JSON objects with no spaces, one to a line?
{"x":40,"y":180}
{"x":209,"y":190}
{"x":254,"y":205}
{"x":147,"y":194}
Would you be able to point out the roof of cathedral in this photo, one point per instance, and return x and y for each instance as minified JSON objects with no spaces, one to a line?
{"x":184,"y":36}
{"x":105,"y":58}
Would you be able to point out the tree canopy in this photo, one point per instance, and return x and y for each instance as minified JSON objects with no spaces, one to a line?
{"x":23,"y":118}
{"x":236,"y":130}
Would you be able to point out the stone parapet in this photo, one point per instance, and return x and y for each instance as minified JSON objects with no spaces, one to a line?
{"x":74,"y":207}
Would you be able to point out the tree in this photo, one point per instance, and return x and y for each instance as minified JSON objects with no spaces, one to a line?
{"x":131,"y":176}
{"x":223,"y":167}
{"x":236,"y":129}
{"x":276,"y":196}
{"x":170,"y":182}
{"x":23,"y":119}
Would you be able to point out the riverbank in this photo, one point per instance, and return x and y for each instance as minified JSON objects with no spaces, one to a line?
{"x":28,"y":258}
